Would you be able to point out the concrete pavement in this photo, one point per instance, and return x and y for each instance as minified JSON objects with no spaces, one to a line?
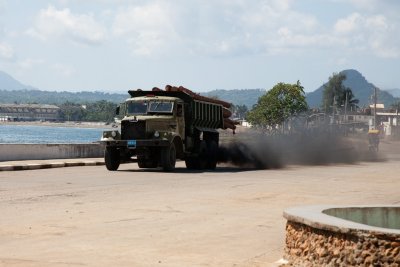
{"x":230,"y":217}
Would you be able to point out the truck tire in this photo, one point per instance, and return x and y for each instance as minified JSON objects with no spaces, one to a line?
{"x":112,"y":159}
{"x":212,"y":151}
{"x":200,"y":161}
{"x":203,"y":155}
{"x":191,"y":163}
{"x":147,"y":163}
{"x":168,"y":157}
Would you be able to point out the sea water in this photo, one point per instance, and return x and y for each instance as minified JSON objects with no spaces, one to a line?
{"x":32,"y":134}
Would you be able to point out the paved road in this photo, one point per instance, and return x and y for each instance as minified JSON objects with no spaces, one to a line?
{"x":87,"y":216}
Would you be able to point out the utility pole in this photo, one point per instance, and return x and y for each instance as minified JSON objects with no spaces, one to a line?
{"x":333,"y":109}
{"x":375,"y":100}
{"x":345,"y":108}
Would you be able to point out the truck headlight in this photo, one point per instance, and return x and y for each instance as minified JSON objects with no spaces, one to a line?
{"x":113,"y":133}
{"x":156,"y":134}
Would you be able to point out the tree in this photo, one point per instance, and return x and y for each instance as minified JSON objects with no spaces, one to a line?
{"x":336,"y":95}
{"x":100,"y":111}
{"x":349,"y":100}
{"x":240,"y":111}
{"x":395,"y":107}
{"x":103,"y":111}
{"x":278,"y":105}
{"x":71,"y":111}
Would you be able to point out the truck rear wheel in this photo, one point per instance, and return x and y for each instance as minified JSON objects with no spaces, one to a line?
{"x":191,"y":163}
{"x":168,"y":157}
{"x":212,"y":150}
{"x":203,"y":156}
{"x":112,"y":159}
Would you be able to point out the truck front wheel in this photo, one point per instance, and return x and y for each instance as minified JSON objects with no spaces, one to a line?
{"x":147,"y":163}
{"x":112,"y":159}
{"x":168,"y":157}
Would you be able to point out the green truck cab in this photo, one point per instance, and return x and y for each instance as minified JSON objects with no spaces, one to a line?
{"x":159,"y":127}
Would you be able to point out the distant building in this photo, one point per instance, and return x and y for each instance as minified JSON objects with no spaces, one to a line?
{"x":29,"y":112}
{"x":378,"y":107}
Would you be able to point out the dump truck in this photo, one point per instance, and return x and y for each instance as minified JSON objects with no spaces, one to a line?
{"x":160,"y":126}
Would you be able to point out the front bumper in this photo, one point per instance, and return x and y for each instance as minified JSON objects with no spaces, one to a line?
{"x":133,"y":144}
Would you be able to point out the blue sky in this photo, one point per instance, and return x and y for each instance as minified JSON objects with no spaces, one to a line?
{"x":116,"y":45}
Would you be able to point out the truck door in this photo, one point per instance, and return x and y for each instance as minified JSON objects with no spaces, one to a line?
{"x":180,"y":116}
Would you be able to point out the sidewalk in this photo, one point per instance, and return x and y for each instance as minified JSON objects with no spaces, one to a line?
{"x":50,"y":163}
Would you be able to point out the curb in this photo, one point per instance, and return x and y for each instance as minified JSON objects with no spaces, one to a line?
{"x":37,"y":166}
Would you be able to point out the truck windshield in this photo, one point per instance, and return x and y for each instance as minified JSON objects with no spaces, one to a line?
{"x":137,"y":108}
{"x":160,"y":107}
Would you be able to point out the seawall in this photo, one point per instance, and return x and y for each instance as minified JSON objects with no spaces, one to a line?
{"x":9,"y":152}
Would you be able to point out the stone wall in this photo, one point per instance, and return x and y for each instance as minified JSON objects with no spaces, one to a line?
{"x":10,"y":152}
{"x":309,"y":246}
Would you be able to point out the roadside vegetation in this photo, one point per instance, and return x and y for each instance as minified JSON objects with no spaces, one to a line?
{"x":103,"y":111}
{"x":279,"y":104}
{"x":337,"y":96}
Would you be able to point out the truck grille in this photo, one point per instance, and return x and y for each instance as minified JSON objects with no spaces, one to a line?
{"x":132,"y":130}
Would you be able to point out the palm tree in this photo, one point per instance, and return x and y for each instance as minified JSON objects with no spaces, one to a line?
{"x":348,"y":100}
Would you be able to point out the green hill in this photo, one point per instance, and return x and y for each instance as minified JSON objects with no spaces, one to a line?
{"x":47,"y":97}
{"x":394,"y":92}
{"x":247,"y":97}
{"x":362,"y":90}
{"x":12,"y":91}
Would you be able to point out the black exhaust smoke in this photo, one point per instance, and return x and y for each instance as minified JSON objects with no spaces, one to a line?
{"x":261,"y":151}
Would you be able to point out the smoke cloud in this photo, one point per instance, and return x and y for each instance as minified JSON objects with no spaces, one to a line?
{"x":261,"y":151}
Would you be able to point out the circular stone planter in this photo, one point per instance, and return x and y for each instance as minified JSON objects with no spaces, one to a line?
{"x":343,"y":236}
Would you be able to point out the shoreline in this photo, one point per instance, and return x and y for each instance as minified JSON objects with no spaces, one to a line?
{"x":70,"y":124}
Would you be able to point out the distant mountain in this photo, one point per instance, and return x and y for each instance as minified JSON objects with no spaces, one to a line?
{"x":13,"y":91}
{"x":247,"y":97}
{"x":362,"y":90}
{"x":9,"y":83}
{"x":393,"y":92}
{"x":47,"y":97}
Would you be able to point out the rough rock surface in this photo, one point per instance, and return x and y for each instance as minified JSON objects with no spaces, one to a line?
{"x":308,"y":246}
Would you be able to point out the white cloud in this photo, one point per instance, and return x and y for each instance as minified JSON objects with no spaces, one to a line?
{"x":2,"y":6}
{"x":275,"y":29}
{"x":378,"y":22}
{"x":375,"y":33}
{"x":342,"y":61}
{"x":30,"y":63}
{"x":6,"y":51}
{"x":287,"y":38}
{"x":63,"y":70}
{"x":376,"y":6}
{"x":348,"y":25}
{"x":221,"y":27}
{"x":217,"y":28}
{"x":80,"y":28}
{"x":365,"y":4}
{"x":148,"y":29}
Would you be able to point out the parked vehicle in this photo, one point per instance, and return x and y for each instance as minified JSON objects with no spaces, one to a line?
{"x":373,"y":140}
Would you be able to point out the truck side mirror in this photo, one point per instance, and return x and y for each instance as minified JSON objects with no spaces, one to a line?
{"x":117,"y":110}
